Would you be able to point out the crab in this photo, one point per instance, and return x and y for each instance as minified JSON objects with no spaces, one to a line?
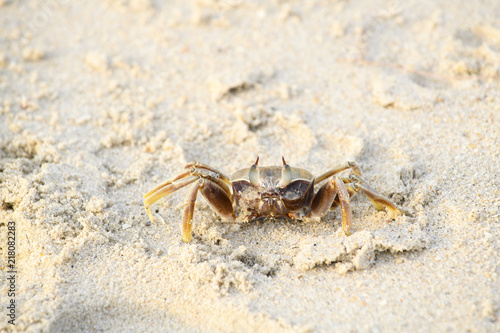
{"x":269,"y":191}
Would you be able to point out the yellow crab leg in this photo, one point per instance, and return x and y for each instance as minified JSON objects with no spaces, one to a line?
{"x":163,"y":190}
{"x":345,"y":206}
{"x":340,"y":168}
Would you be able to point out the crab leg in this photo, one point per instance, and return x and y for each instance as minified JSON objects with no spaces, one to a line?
{"x":340,"y":168}
{"x":345,"y":206}
{"x":378,"y":200}
{"x":187,"y":215}
{"x":334,"y":191}
{"x":185,"y":178}
{"x":214,"y":175}
{"x":350,"y":188}
{"x":168,"y":182}
{"x":198,"y":165}
{"x":216,"y":197}
{"x":163,"y":190}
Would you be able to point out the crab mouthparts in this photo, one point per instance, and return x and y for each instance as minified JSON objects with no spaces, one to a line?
{"x":271,"y":205}
{"x":270,"y":196}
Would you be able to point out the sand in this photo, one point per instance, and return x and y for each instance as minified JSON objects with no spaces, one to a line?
{"x":101,"y":101}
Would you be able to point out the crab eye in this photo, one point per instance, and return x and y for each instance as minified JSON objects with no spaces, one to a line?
{"x":286,"y":175}
{"x":254,"y":175}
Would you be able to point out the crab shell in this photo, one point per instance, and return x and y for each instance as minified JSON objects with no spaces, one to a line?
{"x":272,"y":191}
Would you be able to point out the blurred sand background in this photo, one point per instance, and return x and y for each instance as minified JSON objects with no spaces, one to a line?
{"x":100,"y":101}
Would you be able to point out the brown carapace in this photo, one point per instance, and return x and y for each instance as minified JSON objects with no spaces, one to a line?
{"x":271,"y":191}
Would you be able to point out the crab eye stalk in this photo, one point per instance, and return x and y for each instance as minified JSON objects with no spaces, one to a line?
{"x":254,"y":175}
{"x":286,"y":175}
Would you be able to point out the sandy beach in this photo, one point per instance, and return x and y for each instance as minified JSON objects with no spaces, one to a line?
{"x":101,"y":101}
